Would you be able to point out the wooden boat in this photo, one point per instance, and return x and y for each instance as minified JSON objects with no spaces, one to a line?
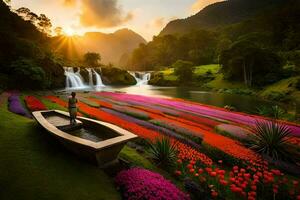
{"x":97,"y":141}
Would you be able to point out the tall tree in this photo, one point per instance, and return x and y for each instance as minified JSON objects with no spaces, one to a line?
{"x":92,"y":59}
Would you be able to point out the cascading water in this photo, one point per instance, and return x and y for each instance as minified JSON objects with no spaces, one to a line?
{"x":99,"y":82}
{"x":73,"y":80}
{"x":143,"y":79}
{"x":91,"y":83}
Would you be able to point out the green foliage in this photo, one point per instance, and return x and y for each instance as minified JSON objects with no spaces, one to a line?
{"x":184,"y":70}
{"x":92,"y":59}
{"x":116,"y":76}
{"x":196,"y":46}
{"x":274,"y":111}
{"x":271,"y":139}
{"x":163,"y":152}
{"x":247,"y":62}
{"x":29,"y":73}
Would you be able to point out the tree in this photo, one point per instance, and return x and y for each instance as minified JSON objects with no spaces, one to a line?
{"x":245,"y":61}
{"x":92,"y":59}
{"x":58,"y":31}
{"x":28,"y":72}
{"x":184,"y":70}
{"x":44,"y":24}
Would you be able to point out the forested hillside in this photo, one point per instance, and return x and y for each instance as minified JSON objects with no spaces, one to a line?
{"x":266,"y":45}
{"x":220,"y":14}
{"x":25,"y":58}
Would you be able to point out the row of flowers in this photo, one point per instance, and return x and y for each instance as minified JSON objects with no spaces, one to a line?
{"x":34,"y":104}
{"x":15,"y":106}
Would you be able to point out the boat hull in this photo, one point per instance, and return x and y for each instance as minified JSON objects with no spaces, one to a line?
{"x":103,"y":153}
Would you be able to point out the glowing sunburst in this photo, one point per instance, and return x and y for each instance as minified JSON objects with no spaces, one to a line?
{"x":69,"y":32}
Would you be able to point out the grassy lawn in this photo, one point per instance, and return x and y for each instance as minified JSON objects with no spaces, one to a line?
{"x":219,"y":83}
{"x":33,"y":165}
{"x":285,"y":86}
{"x":201,"y":70}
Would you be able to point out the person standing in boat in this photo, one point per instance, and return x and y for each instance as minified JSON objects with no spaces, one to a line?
{"x":72,"y":108}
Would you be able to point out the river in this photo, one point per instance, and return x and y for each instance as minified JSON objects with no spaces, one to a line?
{"x":241,"y":103}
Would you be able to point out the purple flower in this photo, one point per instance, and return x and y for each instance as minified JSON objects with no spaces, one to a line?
{"x":15,"y":106}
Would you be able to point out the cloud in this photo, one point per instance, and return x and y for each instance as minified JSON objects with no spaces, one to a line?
{"x":102,"y":14}
{"x":69,"y":3}
{"x":159,"y":22}
{"x":200,"y":4}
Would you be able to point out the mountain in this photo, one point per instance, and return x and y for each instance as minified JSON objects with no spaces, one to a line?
{"x":110,"y":46}
{"x":220,"y":14}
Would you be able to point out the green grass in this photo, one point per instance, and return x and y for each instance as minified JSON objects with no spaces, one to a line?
{"x":283,"y":86}
{"x":52,"y":106}
{"x":220,"y":83}
{"x":33,"y":165}
{"x":203,"y":69}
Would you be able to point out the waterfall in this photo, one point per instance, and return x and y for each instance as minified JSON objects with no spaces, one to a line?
{"x":138,"y":80}
{"x":142,"y":78}
{"x":91,"y":83}
{"x":73,"y":80}
{"x":99,"y":82}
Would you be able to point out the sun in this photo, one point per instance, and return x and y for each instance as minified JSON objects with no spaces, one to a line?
{"x":69,"y":32}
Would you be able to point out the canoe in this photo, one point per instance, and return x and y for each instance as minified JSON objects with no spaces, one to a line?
{"x":96,"y":141}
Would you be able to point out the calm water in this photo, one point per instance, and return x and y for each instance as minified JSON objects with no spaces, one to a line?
{"x":240,"y":102}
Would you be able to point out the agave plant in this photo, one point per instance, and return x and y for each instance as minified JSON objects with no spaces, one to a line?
{"x":163,"y":152}
{"x":270,"y":138}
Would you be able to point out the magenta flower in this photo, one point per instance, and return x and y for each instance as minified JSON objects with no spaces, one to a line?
{"x":137,"y":183}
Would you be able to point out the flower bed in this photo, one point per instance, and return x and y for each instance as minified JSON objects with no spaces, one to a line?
{"x":197,"y":108}
{"x":34,"y":104}
{"x":233,"y":131}
{"x":137,"y":183}
{"x":148,"y":125}
{"x":15,"y":106}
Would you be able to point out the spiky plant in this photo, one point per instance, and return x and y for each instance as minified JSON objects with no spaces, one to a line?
{"x":270,"y":138}
{"x":163,"y":152}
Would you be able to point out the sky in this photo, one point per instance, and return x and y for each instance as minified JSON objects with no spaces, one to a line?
{"x":146,"y":17}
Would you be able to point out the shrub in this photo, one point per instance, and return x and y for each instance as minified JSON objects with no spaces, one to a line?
{"x":271,"y":139}
{"x":163,"y":151}
{"x":274,"y":111}
{"x":184,"y":70}
{"x":137,"y":183}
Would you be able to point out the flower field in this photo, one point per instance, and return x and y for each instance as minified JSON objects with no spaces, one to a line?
{"x":222,"y":163}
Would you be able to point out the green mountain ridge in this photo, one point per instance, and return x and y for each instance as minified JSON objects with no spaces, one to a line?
{"x":220,"y":14}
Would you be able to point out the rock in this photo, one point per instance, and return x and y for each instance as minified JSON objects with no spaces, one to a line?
{"x":116,"y":76}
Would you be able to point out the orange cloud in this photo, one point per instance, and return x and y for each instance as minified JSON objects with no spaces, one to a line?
{"x":102,"y":14}
{"x":200,"y":4}
{"x":69,"y":3}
